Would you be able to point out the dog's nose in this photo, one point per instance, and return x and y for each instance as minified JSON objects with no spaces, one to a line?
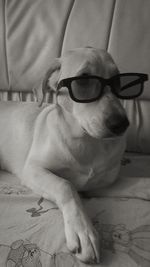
{"x":117,"y":124}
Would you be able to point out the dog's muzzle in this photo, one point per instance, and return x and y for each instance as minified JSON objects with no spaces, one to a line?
{"x":117,"y":124}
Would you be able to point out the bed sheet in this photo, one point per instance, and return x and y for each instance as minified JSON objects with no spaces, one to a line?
{"x":31,"y":228}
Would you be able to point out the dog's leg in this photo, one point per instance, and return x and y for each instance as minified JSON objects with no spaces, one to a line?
{"x":81,"y":237}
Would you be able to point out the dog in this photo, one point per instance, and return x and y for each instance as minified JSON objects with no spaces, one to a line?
{"x":66,"y":147}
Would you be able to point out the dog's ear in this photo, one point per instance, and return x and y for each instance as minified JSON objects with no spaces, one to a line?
{"x":49,"y":82}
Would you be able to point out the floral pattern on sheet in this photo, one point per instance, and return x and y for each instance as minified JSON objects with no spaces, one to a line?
{"x":25,"y":254}
{"x":114,"y":238}
{"x":14,"y":189}
{"x":118,"y":238}
{"x":39,"y":210}
{"x":125,"y":161}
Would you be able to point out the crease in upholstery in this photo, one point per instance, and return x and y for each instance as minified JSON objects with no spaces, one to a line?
{"x":5,"y":42}
{"x":110,"y":24}
{"x":137,"y":111}
{"x":140,"y":125}
{"x":66,"y":24}
{"x":137,"y":120}
{"x":23,"y":96}
{"x":132,"y":113}
{"x":8,"y":95}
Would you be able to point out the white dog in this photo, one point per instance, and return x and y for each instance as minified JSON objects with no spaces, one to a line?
{"x":68,"y":146}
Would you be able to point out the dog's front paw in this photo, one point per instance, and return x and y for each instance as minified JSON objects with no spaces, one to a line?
{"x":81,"y":237}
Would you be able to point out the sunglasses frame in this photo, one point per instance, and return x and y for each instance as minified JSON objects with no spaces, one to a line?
{"x":105,"y":82}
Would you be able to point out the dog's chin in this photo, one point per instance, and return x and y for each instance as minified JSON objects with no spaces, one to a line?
{"x":112,"y":137}
{"x":103,"y":135}
{"x":94,"y":134}
{"x":109,"y":136}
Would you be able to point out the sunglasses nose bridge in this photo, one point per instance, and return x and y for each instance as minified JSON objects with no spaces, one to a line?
{"x":107,"y":88}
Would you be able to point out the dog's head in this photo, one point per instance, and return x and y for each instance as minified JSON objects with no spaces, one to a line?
{"x":102,"y":118}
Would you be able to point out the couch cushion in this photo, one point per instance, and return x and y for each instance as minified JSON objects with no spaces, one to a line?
{"x":138,"y":134}
{"x":89,"y":24}
{"x":129,"y":41}
{"x":34,"y":32}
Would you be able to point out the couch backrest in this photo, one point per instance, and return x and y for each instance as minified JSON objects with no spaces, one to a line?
{"x":33,"y":32}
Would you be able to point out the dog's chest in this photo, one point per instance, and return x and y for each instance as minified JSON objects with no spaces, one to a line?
{"x":88,"y":164}
{"x":99,"y":175}
{"x":100,"y":172}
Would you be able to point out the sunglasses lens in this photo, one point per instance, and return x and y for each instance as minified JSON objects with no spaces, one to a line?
{"x":86,"y":89}
{"x":129,"y":86}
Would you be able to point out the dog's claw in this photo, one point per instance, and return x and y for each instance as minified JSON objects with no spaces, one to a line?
{"x":76,"y":250}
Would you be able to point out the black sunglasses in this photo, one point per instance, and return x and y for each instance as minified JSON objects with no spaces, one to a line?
{"x":89,"y":88}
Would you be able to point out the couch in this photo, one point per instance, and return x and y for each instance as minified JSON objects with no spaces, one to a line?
{"x":32,"y":33}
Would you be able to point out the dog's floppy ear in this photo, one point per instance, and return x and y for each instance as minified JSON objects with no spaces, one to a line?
{"x":45,"y":85}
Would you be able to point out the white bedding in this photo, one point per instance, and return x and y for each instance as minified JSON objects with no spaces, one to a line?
{"x":31,"y":228}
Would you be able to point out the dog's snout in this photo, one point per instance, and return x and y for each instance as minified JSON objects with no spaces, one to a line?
{"x":117,"y":124}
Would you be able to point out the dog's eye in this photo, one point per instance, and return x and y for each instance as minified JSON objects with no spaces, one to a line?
{"x":85,"y":89}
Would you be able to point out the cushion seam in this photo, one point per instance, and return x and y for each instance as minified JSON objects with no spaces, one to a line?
{"x":5,"y":42}
{"x":111,"y":22}
{"x":66,"y":23}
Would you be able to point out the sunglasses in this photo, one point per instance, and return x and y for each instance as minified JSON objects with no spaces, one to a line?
{"x":89,"y":88}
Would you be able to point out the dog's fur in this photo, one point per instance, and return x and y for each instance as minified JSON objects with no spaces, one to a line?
{"x":65,"y":147}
